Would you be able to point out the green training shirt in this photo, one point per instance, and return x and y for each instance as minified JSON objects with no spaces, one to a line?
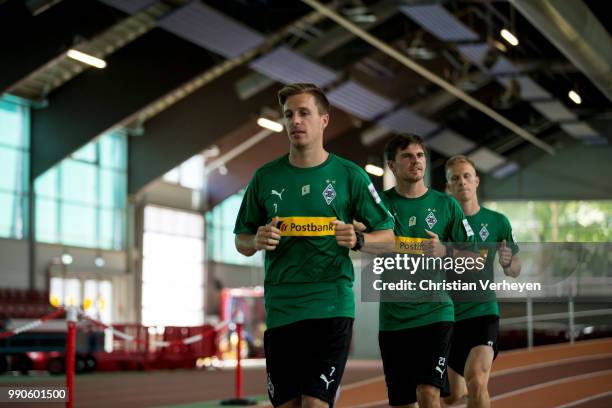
{"x":490,"y":229}
{"x":309,"y":275}
{"x":441,"y":214}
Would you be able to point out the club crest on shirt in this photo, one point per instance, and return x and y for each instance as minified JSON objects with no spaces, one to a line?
{"x":329,"y":194}
{"x":431,"y":219}
{"x":484,"y":232}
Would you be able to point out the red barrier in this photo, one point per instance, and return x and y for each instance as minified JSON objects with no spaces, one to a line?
{"x":71,"y":319}
{"x":172,"y":343}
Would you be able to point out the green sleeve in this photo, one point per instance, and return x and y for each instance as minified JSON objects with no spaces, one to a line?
{"x":459,"y":229}
{"x":509,"y":236}
{"x":367,"y":205}
{"x":251,"y":214}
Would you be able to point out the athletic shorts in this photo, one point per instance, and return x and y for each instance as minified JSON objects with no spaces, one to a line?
{"x":469,"y":333}
{"x":415,"y":356}
{"x":307,"y":358}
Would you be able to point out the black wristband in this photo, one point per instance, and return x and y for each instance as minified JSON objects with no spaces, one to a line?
{"x":449,"y":250}
{"x":360,"y":241}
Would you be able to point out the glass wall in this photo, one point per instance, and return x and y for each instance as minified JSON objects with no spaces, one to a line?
{"x":189,"y":174}
{"x":220,"y":228}
{"x":14,"y":168}
{"x":82,"y":200}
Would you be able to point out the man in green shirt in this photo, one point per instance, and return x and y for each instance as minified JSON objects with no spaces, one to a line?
{"x":474,"y":341}
{"x":415,"y":333}
{"x":299,"y":208}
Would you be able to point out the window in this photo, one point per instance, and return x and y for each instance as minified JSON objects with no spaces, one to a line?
{"x":82,"y":200}
{"x":220,"y":228}
{"x":173,"y":275}
{"x":14,"y":167}
{"x":189,"y":174}
{"x":558,"y":221}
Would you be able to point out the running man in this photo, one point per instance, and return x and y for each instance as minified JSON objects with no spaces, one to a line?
{"x":415,"y":333}
{"x":474,"y":342}
{"x":299,"y":208}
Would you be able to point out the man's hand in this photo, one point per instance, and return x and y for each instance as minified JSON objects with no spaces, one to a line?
{"x":511,"y":264}
{"x":345,"y":234}
{"x":433,"y":247}
{"x":505,"y":255}
{"x":268,"y":236}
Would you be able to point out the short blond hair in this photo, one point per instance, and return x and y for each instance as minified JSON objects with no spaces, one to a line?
{"x":456,"y":160}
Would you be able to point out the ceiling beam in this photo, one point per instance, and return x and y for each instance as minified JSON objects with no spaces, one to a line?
{"x":577,"y":33}
{"x":427,"y":74}
{"x":190,"y":126}
{"x":98,"y":100}
{"x":29,"y":42}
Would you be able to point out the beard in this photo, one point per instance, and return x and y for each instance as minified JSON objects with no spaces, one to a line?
{"x":411,"y":177}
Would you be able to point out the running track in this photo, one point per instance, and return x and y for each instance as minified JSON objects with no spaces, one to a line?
{"x":563,"y":375}
{"x":548,"y":376}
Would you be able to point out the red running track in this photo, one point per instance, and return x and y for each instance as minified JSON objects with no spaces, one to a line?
{"x":564,"y":376}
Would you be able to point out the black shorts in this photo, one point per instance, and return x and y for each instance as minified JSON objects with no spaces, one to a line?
{"x":415,"y":356}
{"x":469,"y":333}
{"x":307,"y":358}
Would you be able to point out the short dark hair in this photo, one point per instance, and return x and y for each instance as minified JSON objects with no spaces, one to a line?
{"x":300,"y":88}
{"x":401,"y":142}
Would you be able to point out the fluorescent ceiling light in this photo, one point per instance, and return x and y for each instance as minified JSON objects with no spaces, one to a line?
{"x":86,"y":58}
{"x":573,"y":95}
{"x":508,"y":36}
{"x":270,"y":125}
{"x":374,"y":170}
{"x":66,"y":259}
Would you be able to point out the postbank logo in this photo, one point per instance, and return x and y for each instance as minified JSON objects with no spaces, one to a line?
{"x":306,"y":226}
{"x":409,"y":245}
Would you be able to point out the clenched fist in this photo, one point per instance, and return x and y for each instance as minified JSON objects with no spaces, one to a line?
{"x":505,"y":255}
{"x":433,"y":247}
{"x":268,"y":236}
{"x":345,"y":234}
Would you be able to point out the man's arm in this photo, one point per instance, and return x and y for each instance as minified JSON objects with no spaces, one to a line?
{"x":375,"y":242}
{"x":434,"y":248}
{"x":379,"y":242}
{"x":267,"y":238}
{"x":245,"y":244}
